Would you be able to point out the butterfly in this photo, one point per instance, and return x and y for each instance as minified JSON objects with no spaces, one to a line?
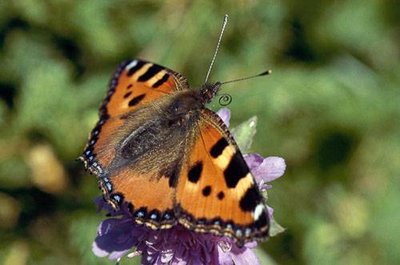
{"x":158,"y":149}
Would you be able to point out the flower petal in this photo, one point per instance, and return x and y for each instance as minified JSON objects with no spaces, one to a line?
{"x":231,"y":254}
{"x":270,"y":211}
{"x":266,"y":169}
{"x":99,"y":252}
{"x":115,"y":238}
{"x":246,"y":257}
{"x":253,"y":160}
{"x":225,"y":115}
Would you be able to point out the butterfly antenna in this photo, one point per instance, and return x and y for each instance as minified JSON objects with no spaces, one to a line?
{"x":268,"y":72}
{"x":217,"y":48}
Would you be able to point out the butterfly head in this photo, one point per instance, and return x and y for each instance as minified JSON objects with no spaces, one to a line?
{"x":208,"y":92}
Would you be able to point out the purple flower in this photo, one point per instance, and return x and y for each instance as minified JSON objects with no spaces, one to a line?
{"x":178,"y":245}
{"x":265,"y":169}
{"x":225,"y":115}
{"x":116,"y":236}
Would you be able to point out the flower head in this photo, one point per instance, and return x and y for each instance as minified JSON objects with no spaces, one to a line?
{"x":178,"y":245}
{"x":118,"y":235}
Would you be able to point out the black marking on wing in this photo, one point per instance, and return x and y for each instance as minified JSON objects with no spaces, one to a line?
{"x":152,"y":71}
{"x":251,"y":199}
{"x":236,"y":170}
{"x":173,"y":178}
{"x":219,"y":147}
{"x":206,"y":191}
{"x":136,"y":100}
{"x":263,"y":221}
{"x":172,"y":173}
{"x":195,"y":172}
{"x":127,"y":94}
{"x":161,"y":81}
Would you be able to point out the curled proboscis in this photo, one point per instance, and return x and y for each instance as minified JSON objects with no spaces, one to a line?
{"x":225,"y":100}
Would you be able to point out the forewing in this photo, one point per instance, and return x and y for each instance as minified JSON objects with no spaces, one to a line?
{"x":216,"y":192}
{"x":136,"y":83}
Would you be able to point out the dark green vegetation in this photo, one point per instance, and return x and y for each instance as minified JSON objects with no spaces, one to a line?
{"x":331,"y":108}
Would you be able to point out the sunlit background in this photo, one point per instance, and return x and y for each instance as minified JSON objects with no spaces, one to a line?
{"x":331,"y":108}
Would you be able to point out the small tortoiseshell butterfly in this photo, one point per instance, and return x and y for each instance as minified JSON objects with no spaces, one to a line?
{"x":158,"y":148}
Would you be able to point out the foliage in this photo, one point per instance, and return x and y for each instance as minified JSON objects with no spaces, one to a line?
{"x":330,"y":108}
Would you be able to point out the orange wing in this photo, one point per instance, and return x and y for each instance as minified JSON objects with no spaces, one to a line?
{"x":134,"y":85}
{"x":216,"y":192}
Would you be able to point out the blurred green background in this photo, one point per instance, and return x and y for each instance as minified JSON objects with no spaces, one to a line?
{"x":331,"y":108}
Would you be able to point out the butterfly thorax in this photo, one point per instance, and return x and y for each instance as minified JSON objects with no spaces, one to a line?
{"x":208,"y":92}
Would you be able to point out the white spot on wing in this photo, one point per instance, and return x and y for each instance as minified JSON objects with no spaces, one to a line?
{"x":131,"y":65}
{"x":258,"y":211}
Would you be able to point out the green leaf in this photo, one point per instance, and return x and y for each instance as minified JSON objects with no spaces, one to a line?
{"x":244,"y":133}
{"x":275,"y":228}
